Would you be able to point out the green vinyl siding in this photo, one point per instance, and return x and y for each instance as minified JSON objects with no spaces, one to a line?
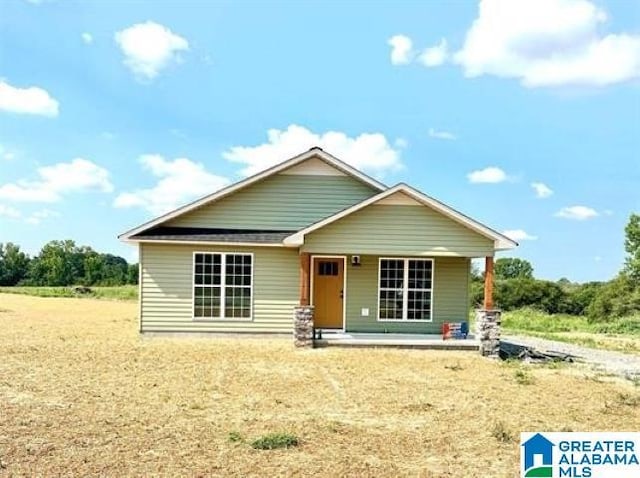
{"x":395,"y":229}
{"x":279,"y":202}
{"x":167,"y":289}
{"x":450,"y":297}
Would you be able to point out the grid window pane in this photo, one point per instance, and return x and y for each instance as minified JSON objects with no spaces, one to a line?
{"x":209,"y":277}
{"x":391,"y":274}
{"x":206,"y":301}
{"x":391,"y":295}
{"x":328,"y":268}
{"x":390,"y":304}
{"x":420,"y":274}
{"x":419,"y":305}
{"x":405,"y":289}
{"x":238,"y":270}
{"x":237,"y":302}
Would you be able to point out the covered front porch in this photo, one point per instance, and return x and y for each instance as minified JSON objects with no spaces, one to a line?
{"x":353,"y":300}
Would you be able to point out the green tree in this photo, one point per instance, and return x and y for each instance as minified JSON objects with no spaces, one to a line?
{"x":14,"y":264}
{"x":115,"y":268}
{"x":513,"y":268}
{"x":132,"y":274}
{"x":59,"y":263}
{"x":632,"y":247}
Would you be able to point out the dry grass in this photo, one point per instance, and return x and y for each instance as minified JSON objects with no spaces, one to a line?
{"x":81,"y":394}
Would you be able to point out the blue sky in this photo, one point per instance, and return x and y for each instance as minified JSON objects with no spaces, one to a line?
{"x":111,"y":113}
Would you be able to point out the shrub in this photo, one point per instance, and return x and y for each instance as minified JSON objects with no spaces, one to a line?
{"x":523,"y":377}
{"x":501,"y":433}
{"x":235,"y":437}
{"x":618,"y":298}
{"x":275,"y":440}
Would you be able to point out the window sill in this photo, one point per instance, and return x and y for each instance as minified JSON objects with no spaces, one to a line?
{"x":218,"y":319}
{"x":405,"y":320}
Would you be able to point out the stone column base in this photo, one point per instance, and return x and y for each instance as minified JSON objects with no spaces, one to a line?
{"x":488,"y":331}
{"x":303,"y":326}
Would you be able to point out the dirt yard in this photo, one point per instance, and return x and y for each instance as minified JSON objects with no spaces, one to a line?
{"x":81,"y":394}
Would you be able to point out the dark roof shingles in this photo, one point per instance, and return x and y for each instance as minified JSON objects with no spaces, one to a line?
{"x":200,"y":234}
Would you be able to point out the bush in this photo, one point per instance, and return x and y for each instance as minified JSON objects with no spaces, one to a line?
{"x":275,"y":440}
{"x":562,"y":297}
{"x":617,"y":298}
{"x":501,"y":433}
{"x":529,"y":319}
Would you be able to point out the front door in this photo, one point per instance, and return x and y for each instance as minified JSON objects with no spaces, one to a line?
{"x":328,"y":293}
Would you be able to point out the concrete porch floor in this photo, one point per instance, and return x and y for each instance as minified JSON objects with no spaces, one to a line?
{"x":408,"y":341}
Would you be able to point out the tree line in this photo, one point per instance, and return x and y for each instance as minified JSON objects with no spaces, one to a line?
{"x":515,"y":287}
{"x":63,"y":263}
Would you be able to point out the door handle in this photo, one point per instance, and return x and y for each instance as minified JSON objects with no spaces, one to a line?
{"x":342,"y":293}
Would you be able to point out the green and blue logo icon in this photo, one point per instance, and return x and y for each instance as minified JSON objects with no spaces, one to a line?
{"x":537,"y":457}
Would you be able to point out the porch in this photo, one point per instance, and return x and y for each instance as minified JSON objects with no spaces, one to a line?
{"x":370,"y":295}
{"x":404,"y":341}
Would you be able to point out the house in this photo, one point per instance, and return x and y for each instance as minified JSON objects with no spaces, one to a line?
{"x":310,"y":230}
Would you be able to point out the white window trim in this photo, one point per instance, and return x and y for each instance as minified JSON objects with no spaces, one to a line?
{"x":405,"y":288}
{"x":223,"y":263}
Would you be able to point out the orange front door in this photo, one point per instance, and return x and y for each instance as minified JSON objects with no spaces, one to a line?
{"x":328,"y":293}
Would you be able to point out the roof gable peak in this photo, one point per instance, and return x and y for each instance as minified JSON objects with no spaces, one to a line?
{"x":312,"y":153}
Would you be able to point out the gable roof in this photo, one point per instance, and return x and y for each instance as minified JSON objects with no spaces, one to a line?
{"x":314,"y":152}
{"x":501,"y":242}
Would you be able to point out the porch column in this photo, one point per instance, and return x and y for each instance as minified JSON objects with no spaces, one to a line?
{"x":303,"y":313}
{"x":488,"y":283}
{"x":305,"y":265}
{"x":488,"y":319}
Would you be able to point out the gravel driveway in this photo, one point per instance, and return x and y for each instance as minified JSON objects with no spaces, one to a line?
{"x":624,"y":365}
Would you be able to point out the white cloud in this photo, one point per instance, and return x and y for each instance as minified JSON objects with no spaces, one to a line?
{"x":149,"y":48}
{"x":491,"y":174}
{"x":401,"y":49}
{"x":30,"y":100}
{"x":8,"y":211}
{"x":78,"y":175}
{"x":597,"y":258}
{"x":6,"y":153}
{"x":578,"y":213}
{"x":542,"y":190}
{"x":519,"y":235}
{"x":546,"y":43}
{"x":87,"y":38}
{"x":38,"y":216}
{"x":369,"y":151}
{"x":446,"y":135}
{"x":435,"y":55}
{"x":401,"y":143}
{"x":180,"y":181}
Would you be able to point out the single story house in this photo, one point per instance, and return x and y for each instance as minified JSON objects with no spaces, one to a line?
{"x":311,"y":230}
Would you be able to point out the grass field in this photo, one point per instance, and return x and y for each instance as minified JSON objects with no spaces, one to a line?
{"x":622,"y":335}
{"x":124,"y":292}
{"x":82,"y":394}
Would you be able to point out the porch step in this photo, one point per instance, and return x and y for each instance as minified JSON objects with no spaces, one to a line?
{"x":426,"y":344}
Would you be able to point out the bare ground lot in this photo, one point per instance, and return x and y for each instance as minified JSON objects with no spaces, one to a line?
{"x":82,"y":394}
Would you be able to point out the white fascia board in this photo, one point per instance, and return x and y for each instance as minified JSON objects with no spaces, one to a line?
{"x":501,"y":242}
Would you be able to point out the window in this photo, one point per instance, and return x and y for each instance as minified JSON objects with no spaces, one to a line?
{"x":328,"y":268}
{"x":405,"y":289}
{"x":222,"y":286}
